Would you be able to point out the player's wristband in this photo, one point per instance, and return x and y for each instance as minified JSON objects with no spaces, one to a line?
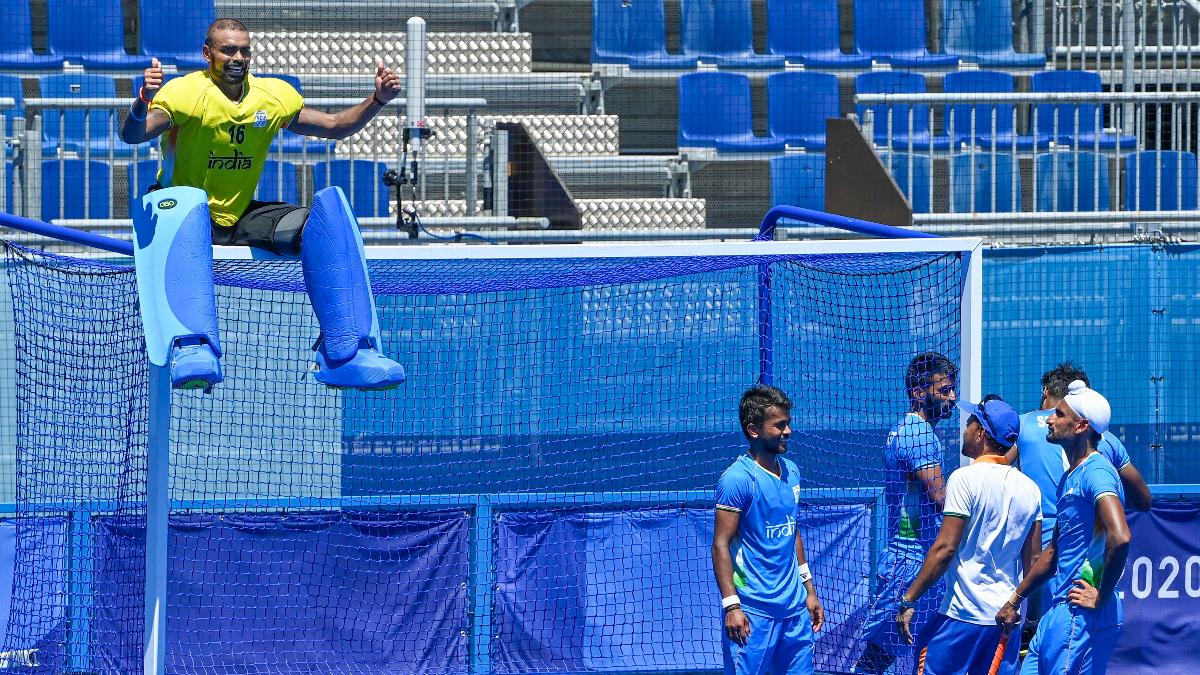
{"x":805,"y":573}
{"x":134,"y":116}
{"x":729,"y":601}
{"x":142,"y":96}
{"x":905,"y":604}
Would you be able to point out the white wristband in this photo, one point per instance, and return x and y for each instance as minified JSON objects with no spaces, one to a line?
{"x":805,"y":573}
{"x":729,"y":601}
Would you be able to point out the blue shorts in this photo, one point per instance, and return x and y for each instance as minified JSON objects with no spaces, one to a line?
{"x":777,"y":646}
{"x":895,"y":578}
{"x":952,"y":647}
{"x":1072,"y":640}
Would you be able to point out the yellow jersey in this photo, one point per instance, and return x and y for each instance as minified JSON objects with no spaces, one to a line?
{"x":219,"y":145}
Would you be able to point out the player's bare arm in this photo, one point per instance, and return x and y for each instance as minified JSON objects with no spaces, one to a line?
{"x":346,"y":123}
{"x":937,"y":561}
{"x":1013,"y":456}
{"x":815,"y":611}
{"x":1032,"y":547}
{"x":935,"y":484}
{"x":737,"y":625}
{"x":1009,"y":616}
{"x":144,"y":123}
{"x":1111,"y":516}
{"x":1136,"y":491}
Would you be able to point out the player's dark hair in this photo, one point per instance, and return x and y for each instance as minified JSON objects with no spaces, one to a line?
{"x":1057,"y":380}
{"x":223,"y":24}
{"x":925,"y":366}
{"x":756,"y":400}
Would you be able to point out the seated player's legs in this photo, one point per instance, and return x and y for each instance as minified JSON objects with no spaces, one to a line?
{"x":777,"y":646}
{"x":1071,"y":640}
{"x":271,"y":226}
{"x":951,"y":647}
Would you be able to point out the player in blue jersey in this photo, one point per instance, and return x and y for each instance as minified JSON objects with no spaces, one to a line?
{"x":1046,"y":462}
{"x":1086,"y":557}
{"x":914,"y":489}
{"x":767,"y":593}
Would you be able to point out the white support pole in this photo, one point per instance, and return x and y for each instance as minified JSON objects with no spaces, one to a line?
{"x":158,"y":504}
{"x":415,"y":49}
{"x":970,"y":371}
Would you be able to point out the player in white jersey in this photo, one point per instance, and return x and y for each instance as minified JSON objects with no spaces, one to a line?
{"x":989,"y":536}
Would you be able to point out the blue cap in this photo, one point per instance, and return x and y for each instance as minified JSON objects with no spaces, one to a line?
{"x":996,"y":417}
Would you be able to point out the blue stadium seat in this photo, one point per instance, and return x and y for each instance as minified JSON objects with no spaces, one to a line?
{"x":971,"y":184}
{"x":722,"y":32}
{"x":293,"y":143}
{"x":980,"y":31}
{"x":1071,"y":181}
{"x":1078,"y":125}
{"x":895,"y":131}
{"x":893,"y":31}
{"x":959,"y":117}
{"x":807,"y":32}
{"x":714,"y":112}
{"x":16,"y":52}
{"x":633,"y":33}
{"x":901,"y":165}
{"x":65,"y":180}
{"x":173,"y":31}
{"x":798,"y":103}
{"x":78,"y":130}
{"x":1160,"y":181}
{"x":10,"y":87}
{"x":140,"y":176}
{"x":278,"y":183}
{"x":798,"y":180}
{"x":360,"y":179}
{"x":91,"y":33}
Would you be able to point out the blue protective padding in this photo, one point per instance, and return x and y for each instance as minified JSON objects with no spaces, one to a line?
{"x":169,"y":29}
{"x":798,"y":103}
{"x":715,"y":112}
{"x":16,"y":50}
{"x":101,"y":44}
{"x":798,"y":180}
{"x":633,"y":33}
{"x":1070,"y":181}
{"x":335,"y":273}
{"x":62,"y":191}
{"x":902,"y":165}
{"x":722,"y":32}
{"x":994,"y":124}
{"x":1160,"y":181}
{"x":81,"y":130}
{"x":907,"y":126}
{"x":173,"y":257}
{"x":1076,"y":124}
{"x":893,"y":31}
{"x":980,"y":169}
{"x":980,"y":31}
{"x":279,"y":584}
{"x":808,"y":32}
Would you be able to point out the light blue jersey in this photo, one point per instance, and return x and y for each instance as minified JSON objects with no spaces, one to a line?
{"x":764,"y":552}
{"x":1081,"y":541}
{"x":913,"y":519}
{"x":1045,"y":462}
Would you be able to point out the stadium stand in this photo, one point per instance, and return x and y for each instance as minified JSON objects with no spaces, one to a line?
{"x":985,"y":183}
{"x":1072,"y":181}
{"x":173,"y":30}
{"x":990,"y":126}
{"x":101,"y":45}
{"x":898,"y":126}
{"x":10,"y":87}
{"x":798,"y":180}
{"x":139,"y":176}
{"x":365,"y":15}
{"x":634,"y":34}
{"x":714,"y":112}
{"x":16,"y":52}
{"x":722,"y":32}
{"x":76,"y":188}
{"x":279,"y":182}
{"x":360,"y":179}
{"x":798,"y":103}
{"x":79,"y":130}
{"x":980,"y":31}
{"x":807,"y":32}
{"x":1078,"y":125}
{"x":913,"y":174}
{"x":1160,"y":181}
{"x":893,"y":31}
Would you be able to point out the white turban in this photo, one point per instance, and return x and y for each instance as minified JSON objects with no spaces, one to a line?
{"x":1089,"y":404}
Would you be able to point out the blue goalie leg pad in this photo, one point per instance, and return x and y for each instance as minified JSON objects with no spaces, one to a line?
{"x":335,"y":273}
{"x":194,"y":365}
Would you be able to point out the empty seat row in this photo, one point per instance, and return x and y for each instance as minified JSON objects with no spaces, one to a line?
{"x":805,"y":32}
{"x":715,"y":111}
{"x":991,"y":182}
{"x":92,"y":34}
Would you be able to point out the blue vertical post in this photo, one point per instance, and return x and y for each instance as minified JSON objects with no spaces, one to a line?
{"x":766,"y":340}
{"x":158,"y":503}
{"x":82,"y":572}
{"x":483,"y":581}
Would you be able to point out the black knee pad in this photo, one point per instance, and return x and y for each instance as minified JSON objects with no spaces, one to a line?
{"x":289,"y":231}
